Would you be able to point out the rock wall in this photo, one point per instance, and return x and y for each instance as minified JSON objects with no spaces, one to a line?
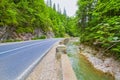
{"x":9,"y":33}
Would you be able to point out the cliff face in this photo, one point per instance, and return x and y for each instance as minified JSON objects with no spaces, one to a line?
{"x":9,"y":33}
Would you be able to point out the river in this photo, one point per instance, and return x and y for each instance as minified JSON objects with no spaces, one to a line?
{"x":84,"y":70}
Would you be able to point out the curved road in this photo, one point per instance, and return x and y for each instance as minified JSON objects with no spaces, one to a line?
{"x":18,"y":59}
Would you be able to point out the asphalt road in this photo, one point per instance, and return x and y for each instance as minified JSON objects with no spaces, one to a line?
{"x":18,"y":59}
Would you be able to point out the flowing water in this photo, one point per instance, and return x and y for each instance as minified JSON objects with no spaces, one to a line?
{"x":83,"y":68}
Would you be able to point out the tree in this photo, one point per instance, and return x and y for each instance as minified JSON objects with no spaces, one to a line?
{"x":98,"y":22}
{"x":64,"y":12}
{"x":54,"y":6}
{"x":25,"y":16}
{"x":50,"y":3}
{"x":58,"y":8}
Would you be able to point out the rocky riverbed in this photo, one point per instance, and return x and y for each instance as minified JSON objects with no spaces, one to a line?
{"x":105,"y":64}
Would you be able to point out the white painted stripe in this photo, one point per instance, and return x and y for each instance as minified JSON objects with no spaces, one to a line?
{"x":21,"y":47}
{"x":21,"y":77}
{"x":10,"y":43}
{"x":26,"y":72}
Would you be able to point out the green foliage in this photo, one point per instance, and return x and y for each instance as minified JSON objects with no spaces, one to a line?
{"x":27,"y":15}
{"x":11,"y":40}
{"x":99,"y":23}
{"x":24,"y":30}
{"x":41,"y":37}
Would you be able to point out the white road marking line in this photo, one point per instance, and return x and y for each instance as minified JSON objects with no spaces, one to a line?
{"x":20,"y":48}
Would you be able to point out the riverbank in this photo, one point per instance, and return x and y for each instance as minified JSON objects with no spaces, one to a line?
{"x":82,"y":67}
{"x":105,"y":64}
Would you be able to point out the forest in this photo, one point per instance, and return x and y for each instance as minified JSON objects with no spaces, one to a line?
{"x":97,"y":22}
{"x":19,"y":17}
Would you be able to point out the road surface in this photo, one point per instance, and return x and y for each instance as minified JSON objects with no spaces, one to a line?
{"x":18,"y":59}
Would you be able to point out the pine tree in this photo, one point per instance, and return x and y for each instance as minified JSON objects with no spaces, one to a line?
{"x":64,"y":12}
{"x":54,"y":6}
{"x":50,"y":3}
{"x":58,"y":8}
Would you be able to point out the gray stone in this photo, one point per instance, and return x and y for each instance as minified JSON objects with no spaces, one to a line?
{"x":61,"y":49}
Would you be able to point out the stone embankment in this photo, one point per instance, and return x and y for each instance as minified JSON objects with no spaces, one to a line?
{"x":66,"y":68}
{"x":105,"y":64}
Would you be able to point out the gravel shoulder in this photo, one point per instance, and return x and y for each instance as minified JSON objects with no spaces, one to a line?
{"x":48,"y":68}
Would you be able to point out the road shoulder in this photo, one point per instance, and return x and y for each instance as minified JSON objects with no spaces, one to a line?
{"x":48,"y":68}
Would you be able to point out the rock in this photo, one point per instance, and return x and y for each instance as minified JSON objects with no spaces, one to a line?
{"x":38,"y":32}
{"x":105,"y":64}
{"x":50,"y":34}
{"x":61,"y":49}
{"x":66,"y":41}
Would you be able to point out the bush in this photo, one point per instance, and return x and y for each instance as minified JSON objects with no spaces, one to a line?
{"x":41,"y":37}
